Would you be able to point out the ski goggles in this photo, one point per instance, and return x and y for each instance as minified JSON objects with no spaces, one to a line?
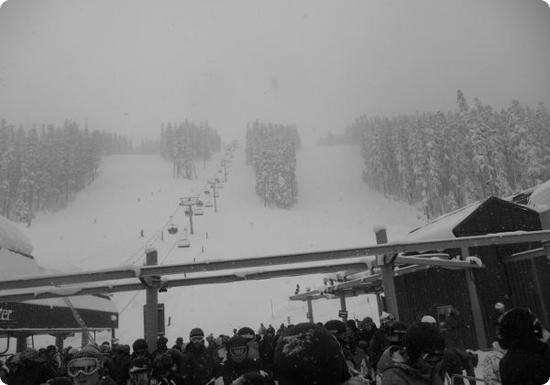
{"x":197,"y":339}
{"x":433,"y":357}
{"x":84,"y":365}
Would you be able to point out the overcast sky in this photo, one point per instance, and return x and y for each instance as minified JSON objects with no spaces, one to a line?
{"x":128,"y":65}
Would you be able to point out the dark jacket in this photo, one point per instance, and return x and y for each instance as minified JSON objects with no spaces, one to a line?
{"x":198,"y":366}
{"x":403,"y":373}
{"x":230,"y":370}
{"x":526,"y":363}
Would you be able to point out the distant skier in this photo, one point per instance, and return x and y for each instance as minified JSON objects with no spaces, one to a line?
{"x":297,"y":289}
{"x":141,"y":233}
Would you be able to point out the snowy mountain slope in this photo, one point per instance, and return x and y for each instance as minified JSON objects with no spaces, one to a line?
{"x":101,"y":228}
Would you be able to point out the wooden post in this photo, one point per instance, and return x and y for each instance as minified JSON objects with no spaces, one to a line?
{"x":85,"y":338}
{"x":387,"y":276}
{"x":343,"y":307}
{"x":538,"y":291}
{"x":213,"y":185}
{"x":59,"y":339}
{"x":476,"y":306}
{"x":21,"y":343}
{"x":310,"y":310}
{"x":150,"y":321}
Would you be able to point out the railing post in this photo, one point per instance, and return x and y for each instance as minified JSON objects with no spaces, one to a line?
{"x":150,"y":321}
{"x":310,"y":310}
{"x":386,"y":268}
{"x":343,"y":309}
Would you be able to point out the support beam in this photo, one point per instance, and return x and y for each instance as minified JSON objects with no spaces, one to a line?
{"x":226,"y":278}
{"x":310,"y":310}
{"x":387,"y":276}
{"x":151,"y":306}
{"x":538,"y":292}
{"x":21,"y":343}
{"x":59,"y":339}
{"x":474,"y":302}
{"x":525,"y":255}
{"x":343,"y":308}
{"x":359,"y":252}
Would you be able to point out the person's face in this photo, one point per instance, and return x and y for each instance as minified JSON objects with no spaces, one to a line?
{"x":197,"y":341}
{"x":140,"y":352}
{"x":238,"y":353}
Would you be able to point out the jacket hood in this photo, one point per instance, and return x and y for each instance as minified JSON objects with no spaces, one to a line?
{"x":391,"y":358}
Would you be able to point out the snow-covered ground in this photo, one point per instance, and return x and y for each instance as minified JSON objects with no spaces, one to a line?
{"x":101,"y":228}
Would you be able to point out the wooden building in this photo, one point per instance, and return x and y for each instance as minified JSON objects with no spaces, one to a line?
{"x":507,"y":279}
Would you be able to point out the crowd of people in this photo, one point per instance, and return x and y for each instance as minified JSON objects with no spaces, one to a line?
{"x":334,"y":353}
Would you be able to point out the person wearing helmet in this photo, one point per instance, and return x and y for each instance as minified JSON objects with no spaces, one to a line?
{"x":253,"y":346}
{"x":421,"y":358}
{"x":527,"y":359}
{"x":395,"y":352}
{"x":309,"y":355}
{"x":198,"y":366}
{"x":238,"y":360}
{"x":163,"y":373}
{"x":86,"y":368}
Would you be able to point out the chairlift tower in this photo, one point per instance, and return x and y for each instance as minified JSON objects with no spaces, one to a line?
{"x":212,"y":183}
{"x":188,"y":203}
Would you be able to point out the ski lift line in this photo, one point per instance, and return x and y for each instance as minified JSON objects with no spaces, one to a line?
{"x":169,"y":252}
{"x":149,"y":241}
{"x":129,"y":302}
{"x":143,"y":248}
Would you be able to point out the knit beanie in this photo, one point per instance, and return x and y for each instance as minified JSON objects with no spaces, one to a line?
{"x":247,"y":333}
{"x":196,"y":332}
{"x":90,"y":351}
{"x":309,"y":354}
{"x":140,"y":344}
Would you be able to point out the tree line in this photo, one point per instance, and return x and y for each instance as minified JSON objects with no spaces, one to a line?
{"x":183,"y":143}
{"x":271,"y":150}
{"x":42,"y":169}
{"x":443,"y":161}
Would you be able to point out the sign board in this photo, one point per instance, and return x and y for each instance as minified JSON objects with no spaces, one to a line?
{"x":23,"y":315}
{"x":160,"y":319}
{"x":343,"y":314}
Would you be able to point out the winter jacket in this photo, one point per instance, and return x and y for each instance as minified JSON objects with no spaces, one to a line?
{"x":378,"y":344}
{"x":198,"y":366}
{"x":491,"y":372}
{"x":118,"y":367}
{"x":526,"y":363}
{"x":230,"y":370}
{"x":395,"y":370}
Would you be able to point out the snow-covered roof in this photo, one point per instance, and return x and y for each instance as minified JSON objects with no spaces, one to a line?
{"x":13,"y":265}
{"x":541,"y":196}
{"x":12,"y":238}
{"x":442,"y":226}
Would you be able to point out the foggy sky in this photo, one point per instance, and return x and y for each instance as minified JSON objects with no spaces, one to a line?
{"x":128,"y":65}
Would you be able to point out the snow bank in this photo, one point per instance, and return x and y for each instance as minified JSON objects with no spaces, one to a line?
{"x":12,"y":238}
